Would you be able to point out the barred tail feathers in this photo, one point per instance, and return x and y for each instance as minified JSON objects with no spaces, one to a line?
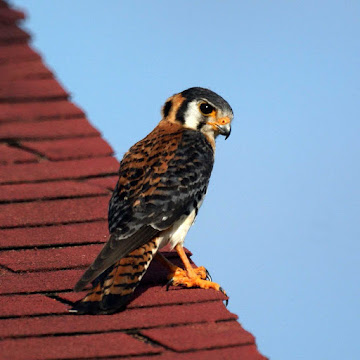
{"x":112,"y":292}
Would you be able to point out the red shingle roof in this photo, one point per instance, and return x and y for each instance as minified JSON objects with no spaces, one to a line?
{"x":56,"y":176}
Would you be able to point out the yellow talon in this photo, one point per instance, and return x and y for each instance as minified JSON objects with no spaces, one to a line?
{"x":181,"y":277}
{"x":181,"y":273}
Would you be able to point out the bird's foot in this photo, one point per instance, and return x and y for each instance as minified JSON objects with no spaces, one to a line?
{"x":200,"y":278}
{"x":180,"y":273}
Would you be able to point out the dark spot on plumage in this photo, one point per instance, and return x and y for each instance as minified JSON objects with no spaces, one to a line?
{"x":140,"y":264}
{"x":195,"y":204}
{"x":167,"y":108}
{"x":185,"y":181}
{"x":157,"y":163}
{"x":163,"y":135}
{"x":168,"y":183}
{"x":138,"y":160}
{"x":126,"y":186}
{"x":194,"y":156}
{"x":121,"y":196}
{"x":135,"y":173}
{"x":200,"y":125}
{"x":180,"y":115}
{"x":148,"y":252}
{"x":177,"y":160}
{"x":146,"y":186}
{"x":133,"y":183}
{"x":152,"y":157}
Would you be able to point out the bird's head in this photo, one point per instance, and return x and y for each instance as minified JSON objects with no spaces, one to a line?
{"x":200,"y":109}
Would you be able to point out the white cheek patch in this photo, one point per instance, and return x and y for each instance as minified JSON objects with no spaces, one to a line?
{"x":192,"y":116}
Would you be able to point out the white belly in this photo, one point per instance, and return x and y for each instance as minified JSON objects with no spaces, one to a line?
{"x":176,"y":234}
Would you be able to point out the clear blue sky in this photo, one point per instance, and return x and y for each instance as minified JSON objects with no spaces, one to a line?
{"x":279,"y":229}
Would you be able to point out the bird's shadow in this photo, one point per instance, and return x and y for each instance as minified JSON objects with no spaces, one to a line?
{"x":155,"y":277}
{"x":152,"y":287}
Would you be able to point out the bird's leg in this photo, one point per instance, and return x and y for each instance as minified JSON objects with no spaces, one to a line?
{"x":164,"y":261}
{"x":192,"y":277}
{"x":174,"y":269}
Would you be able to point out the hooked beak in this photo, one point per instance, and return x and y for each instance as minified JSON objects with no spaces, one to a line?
{"x":222,"y":125}
{"x":224,"y":130}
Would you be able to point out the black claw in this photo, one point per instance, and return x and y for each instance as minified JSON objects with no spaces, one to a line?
{"x":169,"y":283}
{"x":208,"y":276}
{"x":227,"y":300}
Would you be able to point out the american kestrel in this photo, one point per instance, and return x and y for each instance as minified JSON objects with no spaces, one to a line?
{"x":162,"y":183}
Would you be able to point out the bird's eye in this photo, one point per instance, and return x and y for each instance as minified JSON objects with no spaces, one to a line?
{"x":206,"y":108}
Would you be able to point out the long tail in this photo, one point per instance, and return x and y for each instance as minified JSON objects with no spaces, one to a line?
{"x":113,"y":289}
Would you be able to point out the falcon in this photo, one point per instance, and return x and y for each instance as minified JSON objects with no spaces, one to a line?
{"x":162,"y":183}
